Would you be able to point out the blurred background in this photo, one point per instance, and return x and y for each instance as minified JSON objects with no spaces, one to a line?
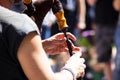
{"x":96,"y":25}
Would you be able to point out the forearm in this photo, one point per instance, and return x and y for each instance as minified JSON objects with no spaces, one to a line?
{"x":81,"y":10}
{"x":63,"y":75}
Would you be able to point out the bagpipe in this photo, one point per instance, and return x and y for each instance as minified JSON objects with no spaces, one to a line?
{"x":61,"y":20}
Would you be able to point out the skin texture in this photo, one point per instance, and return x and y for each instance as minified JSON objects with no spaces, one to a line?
{"x":58,"y":44}
{"x":39,"y":67}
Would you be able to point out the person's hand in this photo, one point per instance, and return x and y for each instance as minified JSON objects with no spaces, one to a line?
{"x":76,"y":65}
{"x":57,"y":44}
{"x":81,"y":25}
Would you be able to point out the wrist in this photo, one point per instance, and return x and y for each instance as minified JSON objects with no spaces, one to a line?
{"x":71,"y":72}
{"x":67,"y":75}
{"x":81,"y":20}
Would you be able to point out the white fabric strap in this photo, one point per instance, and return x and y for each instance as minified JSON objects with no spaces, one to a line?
{"x":70,"y":70}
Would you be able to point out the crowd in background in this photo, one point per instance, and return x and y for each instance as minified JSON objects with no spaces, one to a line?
{"x":99,"y":37}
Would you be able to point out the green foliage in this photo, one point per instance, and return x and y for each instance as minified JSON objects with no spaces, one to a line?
{"x":83,"y":41}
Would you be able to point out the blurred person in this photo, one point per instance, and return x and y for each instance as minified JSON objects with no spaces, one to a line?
{"x":88,"y":33}
{"x":22,"y":54}
{"x":116,"y":75}
{"x":105,"y":20}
